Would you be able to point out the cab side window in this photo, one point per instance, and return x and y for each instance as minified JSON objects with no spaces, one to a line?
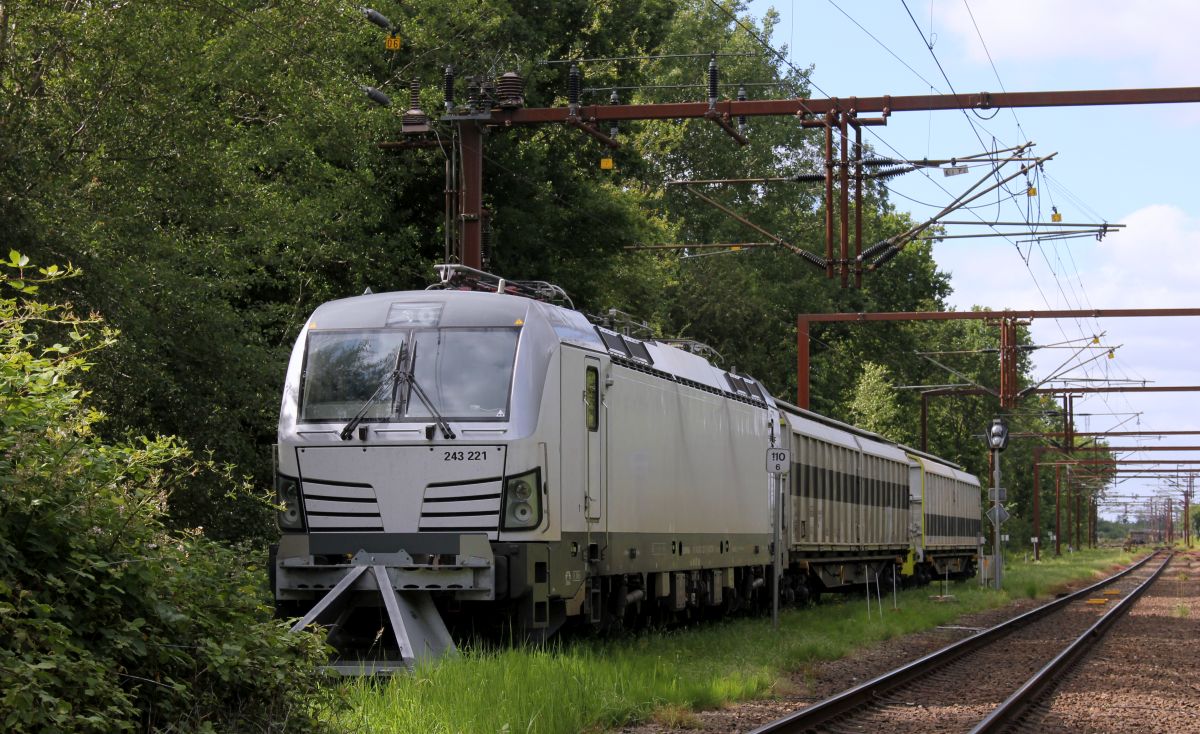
{"x":591,"y":398}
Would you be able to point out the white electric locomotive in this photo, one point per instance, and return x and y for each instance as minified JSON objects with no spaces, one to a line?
{"x":489,"y":459}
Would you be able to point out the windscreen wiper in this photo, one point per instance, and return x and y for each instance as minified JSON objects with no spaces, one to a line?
{"x":391,"y":379}
{"x":408,"y":379}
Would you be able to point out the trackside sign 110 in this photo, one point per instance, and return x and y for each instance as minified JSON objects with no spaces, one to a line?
{"x":779,"y":461}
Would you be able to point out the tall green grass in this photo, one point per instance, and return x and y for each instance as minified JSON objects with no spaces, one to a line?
{"x":592,"y":686}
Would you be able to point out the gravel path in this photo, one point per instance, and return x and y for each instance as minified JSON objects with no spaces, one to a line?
{"x":821,"y":680}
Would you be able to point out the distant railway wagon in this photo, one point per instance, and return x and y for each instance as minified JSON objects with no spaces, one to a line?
{"x":1139,"y":537}
{"x":459,"y":459}
{"x":850,"y":500}
{"x":947,"y":508}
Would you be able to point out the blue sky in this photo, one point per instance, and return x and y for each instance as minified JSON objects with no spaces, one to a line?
{"x":1131,"y":165}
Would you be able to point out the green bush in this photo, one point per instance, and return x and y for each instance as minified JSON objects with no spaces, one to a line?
{"x":109,"y":621}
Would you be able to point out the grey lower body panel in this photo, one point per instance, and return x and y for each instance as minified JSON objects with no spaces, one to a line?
{"x":654,"y":552}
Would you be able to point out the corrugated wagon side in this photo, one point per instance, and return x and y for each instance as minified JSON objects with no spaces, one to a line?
{"x":946,"y":520}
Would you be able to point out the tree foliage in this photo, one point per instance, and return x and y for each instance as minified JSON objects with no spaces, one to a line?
{"x":212,"y":165}
{"x":108,"y":620}
{"x":874,"y":406}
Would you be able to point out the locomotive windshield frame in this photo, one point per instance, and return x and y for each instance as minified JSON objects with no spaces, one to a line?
{"x":467,"y":373}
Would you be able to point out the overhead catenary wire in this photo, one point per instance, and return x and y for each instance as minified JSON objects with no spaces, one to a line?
{"x":972,"y":123}
{"x":809,"y":79}
{"x":1037,"y":172}
{"x":1012,"y":194}
{"x":884,"y":46}
{"x":1043,"y":252}
{"x":793,"y":67}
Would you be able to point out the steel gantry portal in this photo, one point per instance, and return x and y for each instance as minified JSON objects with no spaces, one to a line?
{"x":1007,"y":320}
{"x":502,"y":107}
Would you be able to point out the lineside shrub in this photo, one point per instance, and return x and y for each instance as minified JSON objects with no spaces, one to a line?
{"x":108,"y":620}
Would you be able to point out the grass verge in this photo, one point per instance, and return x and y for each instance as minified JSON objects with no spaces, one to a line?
{"x":592,"y":686}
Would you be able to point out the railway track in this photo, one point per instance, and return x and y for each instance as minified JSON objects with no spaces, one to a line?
{"x":982,"y":683}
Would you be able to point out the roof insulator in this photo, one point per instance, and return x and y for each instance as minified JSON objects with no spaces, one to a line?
{"x":741,"y":118}
{"x":376,"y":96}
{"x":481,"y":93}
{"x":510,"y":91}
{"x":485,"y":238}
{"x":712,"y":81}
{"x":377,"y":18}
{"x":886,"y":257}
{"x":574,"y":82}
{"x":877,"y":247}
{"x":813,"y":258}
{"x":414,"y":120}
{"x":614,"y":129}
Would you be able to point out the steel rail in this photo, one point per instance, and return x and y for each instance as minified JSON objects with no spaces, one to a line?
{"x":1016,"y":705}
{"x":811,"y":717}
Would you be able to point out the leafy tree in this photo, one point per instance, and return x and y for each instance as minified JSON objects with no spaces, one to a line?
{"x":874,"y":406}
{"x":200,"y":162}
{"x":108,"y":620}
{"x":212,"y":165}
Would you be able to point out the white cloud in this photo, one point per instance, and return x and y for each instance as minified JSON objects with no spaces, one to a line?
{"x":1151,"y":41}
{"x":1153,"y":263}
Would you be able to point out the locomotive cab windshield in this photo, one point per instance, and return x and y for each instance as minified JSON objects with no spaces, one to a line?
{"x":465,"y":373}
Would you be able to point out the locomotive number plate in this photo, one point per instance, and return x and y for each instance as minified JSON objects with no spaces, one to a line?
{"x":464,"y":455}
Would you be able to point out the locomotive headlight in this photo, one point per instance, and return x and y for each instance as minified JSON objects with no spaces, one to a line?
{"x":522,"y":512}
{"x":521,"y":489}
{"x":287,"y":496}
{"x":523,"y":501}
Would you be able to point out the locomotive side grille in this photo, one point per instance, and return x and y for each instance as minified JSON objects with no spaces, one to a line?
{"x":473,"y":506}
{"x":331,"y":506}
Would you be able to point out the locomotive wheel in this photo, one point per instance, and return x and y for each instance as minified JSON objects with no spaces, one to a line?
{"x":814,"y":587}
{"x":888,"y":578}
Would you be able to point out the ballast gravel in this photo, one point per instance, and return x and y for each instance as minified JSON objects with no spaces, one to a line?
{"x":1145,"y":680}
